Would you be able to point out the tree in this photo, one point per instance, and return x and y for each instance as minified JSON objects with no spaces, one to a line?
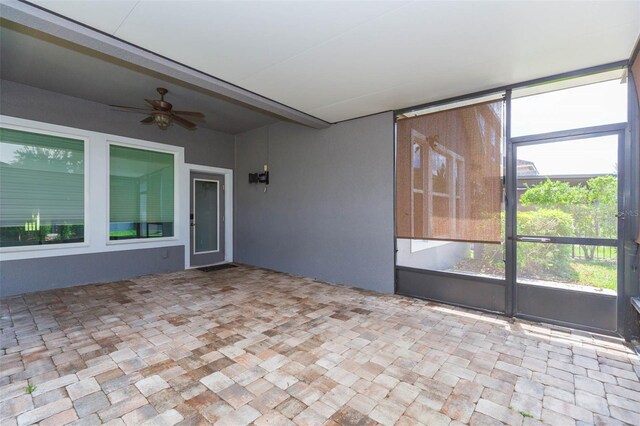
{"x":593,"y":206}
{"x":59,"y":160}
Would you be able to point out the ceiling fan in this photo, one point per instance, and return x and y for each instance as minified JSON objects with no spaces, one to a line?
{"x":162,"y":113}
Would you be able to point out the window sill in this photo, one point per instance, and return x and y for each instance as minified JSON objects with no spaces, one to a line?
{"x":140,"y":241}
{"x":41,"y":247}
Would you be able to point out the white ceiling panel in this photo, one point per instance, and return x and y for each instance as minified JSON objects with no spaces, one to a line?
{"x":447,"y":49}
{"x":343,"y":59}
{"x":234,"y":40}
{"x":105,"y":16}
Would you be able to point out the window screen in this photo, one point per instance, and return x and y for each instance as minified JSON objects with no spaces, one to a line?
{"x":41,"y":189}
{"x":449,"y":174}
{"x":635,"y":71}
{"x":141,"y":193}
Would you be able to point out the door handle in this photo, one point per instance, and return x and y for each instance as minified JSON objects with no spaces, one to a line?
{"x":534,"y":239}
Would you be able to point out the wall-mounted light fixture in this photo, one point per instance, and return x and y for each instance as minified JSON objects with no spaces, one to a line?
{"x":260,"y":177}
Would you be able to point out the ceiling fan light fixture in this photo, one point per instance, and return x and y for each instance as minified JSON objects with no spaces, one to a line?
{"x":162,"y":119}
{"x":162,"y":113}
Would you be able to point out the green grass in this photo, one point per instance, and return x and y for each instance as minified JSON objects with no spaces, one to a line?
{"x":596,"y":274}
{"x":30,"y":388}
{"x":128,"y":233}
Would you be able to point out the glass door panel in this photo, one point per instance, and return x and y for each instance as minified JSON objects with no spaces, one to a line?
{"x":566,"y":221}
{"x":569,"y":188}
{"x":207,"y":236}
{"x":206,"y":216}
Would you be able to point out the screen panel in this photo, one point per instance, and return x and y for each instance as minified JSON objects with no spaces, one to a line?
{"x":449,"y":174}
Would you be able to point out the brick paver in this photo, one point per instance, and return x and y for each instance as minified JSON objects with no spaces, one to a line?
{"x":246,"y":345}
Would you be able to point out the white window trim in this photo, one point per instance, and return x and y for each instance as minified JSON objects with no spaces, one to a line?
{"x":228,"y":208}
{"x":147,"y":146}
{"x":63,"y":133}
{"x":96,"y":240}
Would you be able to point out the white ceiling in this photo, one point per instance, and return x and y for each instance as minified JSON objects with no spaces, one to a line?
{"x":338,"y":60}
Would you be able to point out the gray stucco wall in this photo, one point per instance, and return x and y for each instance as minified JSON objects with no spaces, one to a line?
{"x":204,"y":147}
{"x":328,"y":210}
{"x":29,"y":275}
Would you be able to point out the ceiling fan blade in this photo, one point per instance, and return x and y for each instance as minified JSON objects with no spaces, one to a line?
{"x":154,"y":103}
{"x":184,"y":123}
{"x":190,"y":113}
{"x":147,"y":120}
{"x":131,"y":108}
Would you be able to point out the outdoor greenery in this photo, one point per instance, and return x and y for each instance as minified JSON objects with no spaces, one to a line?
{"x":46,"y":234}
{"x":596,"y":274}
{"x":558,"y":209}
{"x":127,"y":233}
{"x":542,"y":261}
{"x":592,"y":206}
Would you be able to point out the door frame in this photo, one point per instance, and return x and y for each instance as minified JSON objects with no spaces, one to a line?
{"x":185,"y":204}
{"x":512,"y":290}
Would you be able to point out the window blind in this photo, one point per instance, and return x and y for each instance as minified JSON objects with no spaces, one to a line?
{"x":41,"y":188}
{"x":449,"y":182}
{"x":141,"y":193}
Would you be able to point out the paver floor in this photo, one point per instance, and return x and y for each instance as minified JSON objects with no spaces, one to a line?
{"x":247,"y":345}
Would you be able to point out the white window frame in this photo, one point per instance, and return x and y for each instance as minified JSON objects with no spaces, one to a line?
{"x":25,"y":127}
{"x":146,"y":146}
{"x":96,"y":237}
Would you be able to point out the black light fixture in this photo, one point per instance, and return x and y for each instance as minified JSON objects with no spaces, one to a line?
{"x":260,"y":177}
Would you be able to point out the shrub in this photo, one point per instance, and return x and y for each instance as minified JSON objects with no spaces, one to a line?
{"x":536,"y":260}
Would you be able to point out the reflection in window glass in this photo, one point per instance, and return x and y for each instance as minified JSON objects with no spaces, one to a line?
{"x":416,"y":162}
{"x":206,"y":215}
{"x":582,"y":106}
{"x":41,"y":189}
{"x":440,"y":174}
{"x":141,"y":200}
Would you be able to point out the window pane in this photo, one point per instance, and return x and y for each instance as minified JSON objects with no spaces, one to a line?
{"x":582,"y":106}
{"x":41,"y":189}
{"x":206,"y":216}
{"x":141,"y":193}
